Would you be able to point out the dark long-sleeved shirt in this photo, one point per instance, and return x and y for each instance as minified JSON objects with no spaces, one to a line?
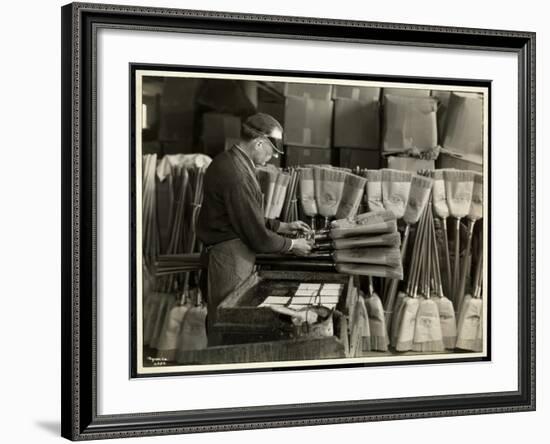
{"x":232,"y":206}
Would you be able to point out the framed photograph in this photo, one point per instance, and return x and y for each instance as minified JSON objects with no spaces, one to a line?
{"x":255,"y":207}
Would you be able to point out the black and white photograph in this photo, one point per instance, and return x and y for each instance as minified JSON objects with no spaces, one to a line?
{"x":294,"y":222}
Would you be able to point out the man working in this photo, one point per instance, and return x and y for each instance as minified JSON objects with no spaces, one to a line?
{"x":231,"y":223}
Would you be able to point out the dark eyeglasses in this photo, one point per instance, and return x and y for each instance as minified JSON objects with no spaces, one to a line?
{"x":277,"y":146}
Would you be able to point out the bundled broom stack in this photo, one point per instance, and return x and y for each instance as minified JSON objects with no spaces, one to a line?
{"x":367,"y":245}
{"x":172,"y":196}
{"x":424,"y":318}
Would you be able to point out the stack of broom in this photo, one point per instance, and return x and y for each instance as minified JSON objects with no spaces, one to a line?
{"x":170,"y":300}
{"x":367,"y":244}
{"x":424,"y":317}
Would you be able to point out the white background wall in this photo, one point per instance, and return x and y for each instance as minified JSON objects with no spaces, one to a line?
{"x":30,"y":219}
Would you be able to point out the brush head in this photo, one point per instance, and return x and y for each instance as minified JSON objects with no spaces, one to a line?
{"x":389,"y":240}
{"x":374,"y":217}
{"x":458,"y":189}
{"x":373,"y":175}
{"x":329,"y":185}
{"x":306,"y":174}
{"x":427,"y":332}
{"x":405,"y":329}
{"x":307,"y":192}
{"x":439,"y":196}
{"x":388,"y":256}
{"x":354,"y":181}
{"x":476,"y":206}
{"x":395,"y":190}
{"x":354,"y":187}
{"x":364,"y":230}
{"x":418,"y":198}
{"x":390,"y":175}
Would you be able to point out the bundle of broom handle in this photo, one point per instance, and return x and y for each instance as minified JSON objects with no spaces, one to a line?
{"x":449,"y":271}
{"x":392,"y":289}
{"x":289,"y":211}
{"x":465,"y":262}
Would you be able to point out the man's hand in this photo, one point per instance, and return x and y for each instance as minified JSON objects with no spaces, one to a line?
{"x":301,"y":247}
{"x":294,"y":227}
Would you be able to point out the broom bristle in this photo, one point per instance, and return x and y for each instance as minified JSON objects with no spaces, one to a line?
{"x":389,"y":175}
{"x":478,"y":178}
{"x":306,"y":174}
{"x":405,"y":329}
{"x":373,"y":175}
{"x":421,"y":182}
{"x":374,"y":217}
{"x":427,"y":335}
{"x":379,"y":334}
{"x":418,"y":198}
{"x":458,"y":176}
{"x":354,"y":181}
{"x":392,"y":239}
{"x":332,"y":175}
{"x":437,"y":174}
{"x":390,"y":257}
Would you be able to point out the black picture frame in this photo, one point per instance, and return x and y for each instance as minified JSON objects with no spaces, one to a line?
{"x":80,"y":419}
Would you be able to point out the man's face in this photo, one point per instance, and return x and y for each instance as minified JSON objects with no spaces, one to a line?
{"x":264,"y":153}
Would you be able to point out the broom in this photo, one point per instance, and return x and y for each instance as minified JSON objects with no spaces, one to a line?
{"x":441,"y":209}
{"x":458,"y":189}
{"x":388,"y":256}
{"x":369,"y":218}
{"x":374,"y":190}
{"x":290,"y":196}
{"x":307,"y":195}
{"x":329,"y":186}
{"x":402,"y":296}
{"x":418,"y":196}
{"x":381,"y":240}
{"x":427,"y":331}
{"x":266,"y":179}
{"x":360,"y":329}
{"x":475,"y":213}
{"x":193,"y":330}
{"x":396,"y":186}
{"x":281,"y":185}
{"x":444,"y":304}
{"x":469,"y":322}
{"x":362,"y":230}
{"x":405,"y":328}
{"x":377,"y":322}
{"x":173,"y":324}
{"x":354,"y":187}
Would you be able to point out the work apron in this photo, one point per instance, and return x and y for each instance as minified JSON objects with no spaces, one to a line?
{"x":230,"y":263}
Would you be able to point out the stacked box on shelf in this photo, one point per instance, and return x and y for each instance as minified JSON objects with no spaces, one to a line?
{"x":443,"y":104}
{"x":409,"y":122}
{"x":316,"y":91}
{"x":409,"y":92}
{"x":463,"y":134}
{"x":356,"y":117}
{"x":216,"y":129}
{"x":299,"y":155}
{"x":308,"y":115}
{"x":177,"y":114}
